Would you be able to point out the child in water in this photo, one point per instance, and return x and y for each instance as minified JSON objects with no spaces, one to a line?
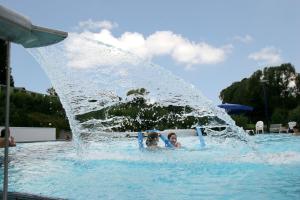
{"x":11,"y":140}
{"x":152,"y":140}
{"x":173,"y":139}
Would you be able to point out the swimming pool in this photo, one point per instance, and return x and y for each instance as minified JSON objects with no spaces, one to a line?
{"x":266,"y":168}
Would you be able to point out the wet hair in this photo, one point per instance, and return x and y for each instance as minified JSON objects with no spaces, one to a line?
{"x":152,"y":139}
{"x":170,"y":135}
{"x":3,"y":133}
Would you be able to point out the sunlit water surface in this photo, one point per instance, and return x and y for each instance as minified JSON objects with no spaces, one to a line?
{"x":117,"y":169}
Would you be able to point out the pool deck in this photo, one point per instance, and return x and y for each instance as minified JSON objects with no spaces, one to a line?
{"x":26,"y":196}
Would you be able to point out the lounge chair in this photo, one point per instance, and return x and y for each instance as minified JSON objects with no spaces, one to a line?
{"x":259,"y":127}
{"x":274,"y":128}
{"x":291,"y":127}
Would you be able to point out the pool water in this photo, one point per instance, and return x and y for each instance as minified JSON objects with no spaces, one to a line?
{"x":267,"y":167}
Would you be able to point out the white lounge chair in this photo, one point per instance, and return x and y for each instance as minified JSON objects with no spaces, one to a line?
{"x":291,"y":126}
{"x":259,"y":127}
{"x":274,"y":128}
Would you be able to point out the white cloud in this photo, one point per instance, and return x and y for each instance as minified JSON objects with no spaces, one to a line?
{"x":244,"y":39}
{"x":267,"y":55}
{"x":84,"y":52}
{"x":92,"y":25}
{"x":160,"y":43}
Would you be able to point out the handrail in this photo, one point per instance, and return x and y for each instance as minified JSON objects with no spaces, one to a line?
{"x":199,"y":133}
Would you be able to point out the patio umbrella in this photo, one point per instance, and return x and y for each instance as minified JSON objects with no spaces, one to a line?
{"x":235,"y":108}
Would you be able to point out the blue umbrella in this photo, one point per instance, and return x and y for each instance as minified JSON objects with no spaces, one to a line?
{"x":235,"y":108}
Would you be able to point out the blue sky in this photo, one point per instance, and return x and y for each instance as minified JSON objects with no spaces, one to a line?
{"x":208,"y":43}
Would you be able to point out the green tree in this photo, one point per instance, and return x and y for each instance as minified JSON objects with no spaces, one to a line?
{"x":34,"y":110}
{"x":51,"y":91}
{"x":282,"y":87}
{"x":138,"y":114}
{"x":241,"y":120}
{"x":294,"y":115}
{"x":140,"y":91}
{"x":279,"y":116}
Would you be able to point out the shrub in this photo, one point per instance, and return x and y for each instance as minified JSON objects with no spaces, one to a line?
{"x":294,"y":115}
{"x":241,"y":120}
{"x":279,"y":116}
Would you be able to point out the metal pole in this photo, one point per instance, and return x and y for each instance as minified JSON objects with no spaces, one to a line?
{"x":5,"y":181}
{"x":266,"y":107}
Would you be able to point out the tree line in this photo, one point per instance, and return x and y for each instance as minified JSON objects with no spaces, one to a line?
{"x":282,"y":95}
{"x":138,"y":114}
{"x":28,"y":109}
